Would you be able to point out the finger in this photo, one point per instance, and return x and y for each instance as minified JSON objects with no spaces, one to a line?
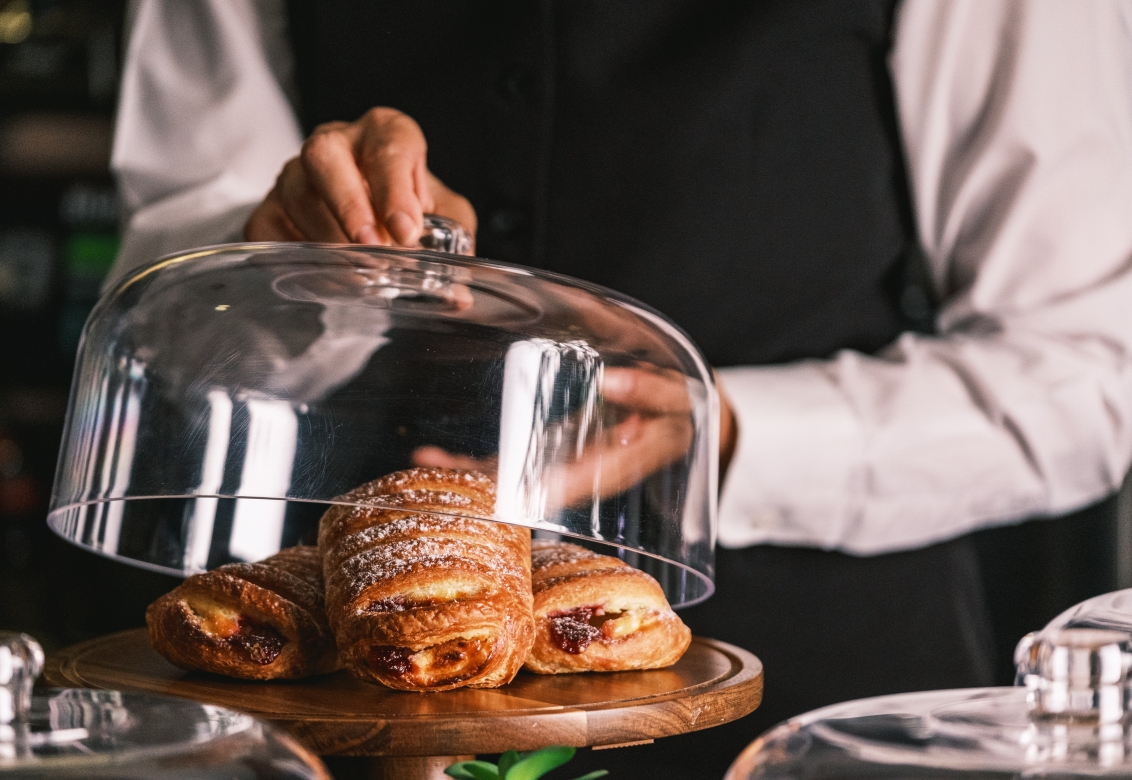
{"x":437,"y":458}
{"x":449,"y":204}
{"x":305,"y":207}
{"x":269,"y":222}
{"x":423,"y":182}
{"x":391,"y":152}
{"x":638,"y":447}
{"x":661,"y":392}
{"x":728,"y":431}
{"x":312,"y":217}
{"x":461,"y":297}
{"x":332,"y":172}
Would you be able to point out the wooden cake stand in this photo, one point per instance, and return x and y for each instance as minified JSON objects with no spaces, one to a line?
{"x":416,"y":735}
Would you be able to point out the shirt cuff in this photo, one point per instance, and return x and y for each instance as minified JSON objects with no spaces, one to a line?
{"x":798,"y":436}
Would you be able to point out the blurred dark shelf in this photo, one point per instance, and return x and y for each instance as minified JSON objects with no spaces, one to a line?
{"x":59,"y":68}
{"x":60,"y":54}
{"x":55,"y":145}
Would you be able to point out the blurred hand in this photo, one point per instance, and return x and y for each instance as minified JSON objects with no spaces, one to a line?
{"x":728,"y":433}
{"x":363,"y":182}
{"x":655,"y":429}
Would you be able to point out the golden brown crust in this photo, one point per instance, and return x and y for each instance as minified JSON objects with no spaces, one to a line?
{"x":594,"y":613}
{"x":256,"y":621}
{"x":421,"y":594}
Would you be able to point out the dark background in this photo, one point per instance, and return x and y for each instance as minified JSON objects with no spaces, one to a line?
{"x":59,"y":65}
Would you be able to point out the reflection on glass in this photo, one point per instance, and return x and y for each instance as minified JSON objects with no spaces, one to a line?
{"x":257,"y":526}
{"x":203,"y":518}
{"x":549,"y":413}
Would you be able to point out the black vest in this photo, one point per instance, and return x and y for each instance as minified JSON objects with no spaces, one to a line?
{"x":735,"y":165}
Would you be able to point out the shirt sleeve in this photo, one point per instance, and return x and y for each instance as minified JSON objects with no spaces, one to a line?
{"x":1017,"y":124}
{"x":204,"y":125}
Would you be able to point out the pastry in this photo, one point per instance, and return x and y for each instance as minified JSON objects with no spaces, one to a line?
{"x":421,"y":595}
{"x":594,"y":613}
{"x":258,"y":621}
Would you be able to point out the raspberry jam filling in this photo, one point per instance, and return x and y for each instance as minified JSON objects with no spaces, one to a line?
{"x":442,"y":664}
{"x":390,"y":661}
{"x":260,"y":643}
{"x":574,"y":631}
{"x":399,"y":604}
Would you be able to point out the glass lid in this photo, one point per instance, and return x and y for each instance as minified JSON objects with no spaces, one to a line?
{"x":223,"y":397}
{"x":79,"y":733}
{"x":1069,"y":718}
{"x":1108,"y":611}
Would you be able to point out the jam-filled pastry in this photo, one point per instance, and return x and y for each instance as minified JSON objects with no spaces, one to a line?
{"x":595,"y":613}
{"x":258,"y":621}
{"x":421,"y":595}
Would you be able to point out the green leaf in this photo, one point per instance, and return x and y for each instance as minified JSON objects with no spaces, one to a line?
{"x":534,"y":765}
{"x":473,"y":770}
{"x":594,"y":774}
{"x":506,"y":761}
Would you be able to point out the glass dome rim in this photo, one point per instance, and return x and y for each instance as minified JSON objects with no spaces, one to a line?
{"x":144,"y":753}
{"x":821,"y":713}
{"x":708,"y":579}
{"x":861,"y":750}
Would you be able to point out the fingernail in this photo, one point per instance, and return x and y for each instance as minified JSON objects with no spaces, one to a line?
{"x":367,"y":234}
{"x":615,"y":383}
{"x":401,"y":226}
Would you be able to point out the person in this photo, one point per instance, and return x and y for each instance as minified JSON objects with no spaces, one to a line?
{"x":901,"y":233}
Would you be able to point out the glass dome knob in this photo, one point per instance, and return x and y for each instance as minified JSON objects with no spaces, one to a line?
{"x":1078,"y":674}
{"x":21,"y":661}
{"x":441,"y":234}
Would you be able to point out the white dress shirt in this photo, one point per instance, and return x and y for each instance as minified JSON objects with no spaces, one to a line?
{"x":1017,"y":124}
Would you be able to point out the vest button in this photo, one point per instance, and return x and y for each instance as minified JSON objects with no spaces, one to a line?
{"x":507,"y":222}
{"x":516,"y":83}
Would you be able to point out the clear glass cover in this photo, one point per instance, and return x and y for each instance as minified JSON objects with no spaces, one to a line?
{"x":77,"y":733}
{"x":1112,"y":611}
{"x":974,"y":733}
{"x":224,"y":396}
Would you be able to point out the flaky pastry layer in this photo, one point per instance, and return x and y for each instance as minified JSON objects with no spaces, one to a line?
{"x":256,"y":621}
{"x":421,"y":594}
{"x":594,"y":613}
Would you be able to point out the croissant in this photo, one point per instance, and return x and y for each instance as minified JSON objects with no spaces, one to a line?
{"x":594,"y":613}
{"x":421,"y":596}
{"x":258,"y":621}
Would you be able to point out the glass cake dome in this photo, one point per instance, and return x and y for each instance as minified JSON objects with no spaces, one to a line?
{"x":80,"y":733}
{"x":1111,"y":611}
{"x":1069,"y":716}
{"x":223,"y":397}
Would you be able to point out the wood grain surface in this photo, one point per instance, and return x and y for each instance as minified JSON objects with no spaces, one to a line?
{"x":335,"y":714}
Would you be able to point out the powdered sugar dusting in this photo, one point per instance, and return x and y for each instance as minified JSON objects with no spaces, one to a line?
{"x":414,"y":521}
{"x":459,"y":486}
{"x":412,"y":526}
{"x":387,"y":561}
{"x":546,"y":553}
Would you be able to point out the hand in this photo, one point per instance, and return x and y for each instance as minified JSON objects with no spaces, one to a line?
{"x":728,"y":432}
{"x":654,"y":429}
{"x":363,"y":182}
